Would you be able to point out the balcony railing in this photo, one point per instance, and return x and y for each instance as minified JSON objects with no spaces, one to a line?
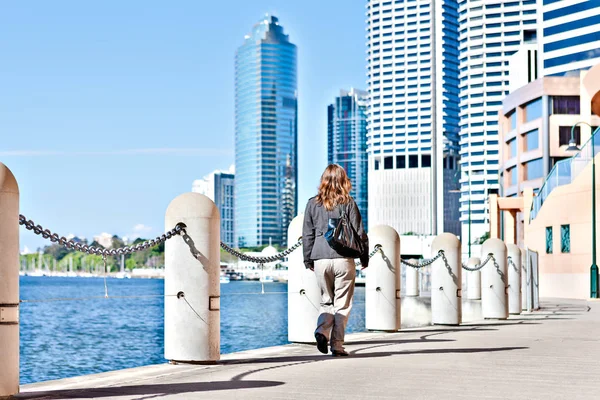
{"x":564,"y":172}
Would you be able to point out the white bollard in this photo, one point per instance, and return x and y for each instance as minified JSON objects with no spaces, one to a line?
{"x":192,"y":288}
{"x":304,"y":295}
{"x":514,"y":278}
{"x":473,"y":279}
{"x":9,"y":283}
{"x":446,"y":281}
{"x":382,"y":287}
{"x":412,"y":280}
{"x":524,"y":289}
{"x":494,"y":301}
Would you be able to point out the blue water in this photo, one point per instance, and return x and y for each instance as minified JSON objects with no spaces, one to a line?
{"x":72,"y":338}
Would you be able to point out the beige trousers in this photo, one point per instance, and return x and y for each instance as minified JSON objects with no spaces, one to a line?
{"x":335,"y":278}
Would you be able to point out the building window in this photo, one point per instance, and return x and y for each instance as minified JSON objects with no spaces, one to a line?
{"x":534,"y":169}
{"x":401,"y":161}
{"x":413,"y":161}
{"x":532,"y":140}
{"x":513,"y":120}
{"x":426,"y":160}
{"x":533,"y":110}
{"x":548,"y":240}
{"x":376,"y":165}
{"x":512,"y":175}
{"x":512,"y":145}
{"x":565,"y":239}
{"x":388,"y":163}
{"x":564,"y":135}
{"x":565,"y":105}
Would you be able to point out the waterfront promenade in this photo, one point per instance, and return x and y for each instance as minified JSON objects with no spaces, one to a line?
{"x":553,"y":353}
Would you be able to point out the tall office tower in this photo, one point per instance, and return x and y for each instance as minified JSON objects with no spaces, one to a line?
{"x":490,"y":32}
{"x":568,"y":36}
{"x":347,"y":142}
{"x":413,"y":113}
{"x":219,"y":187}
{"x":266,"y":140}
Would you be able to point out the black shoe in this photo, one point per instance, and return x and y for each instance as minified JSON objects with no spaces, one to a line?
{"x":339,"y":353}
{"x":321,"y":342}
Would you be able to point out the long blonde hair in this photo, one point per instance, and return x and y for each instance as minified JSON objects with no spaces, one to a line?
{"x":334,"y":188}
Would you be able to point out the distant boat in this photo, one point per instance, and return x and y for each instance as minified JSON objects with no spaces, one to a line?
{"x":266,"y":278}
{"x":224,"y":279}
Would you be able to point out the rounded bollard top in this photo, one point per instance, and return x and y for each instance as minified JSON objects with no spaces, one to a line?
{"x":8,"y":183}
{"x":473,"y":261}
{"x":513,"y":249}
{"x":445,"y":241}
{"x":385,"y":231}
{"x":494,"y":246}
{"x":192,"y":205}
{"x":295,"y":226}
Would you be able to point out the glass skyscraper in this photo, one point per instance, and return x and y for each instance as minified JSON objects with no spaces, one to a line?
{"x":347,"y":142}
{"x":266,"y":139}
{"x":569,"y":36}
{"x":413,"y":114}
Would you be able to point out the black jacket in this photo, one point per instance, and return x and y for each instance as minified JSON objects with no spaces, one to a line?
{"x":316,"y":218}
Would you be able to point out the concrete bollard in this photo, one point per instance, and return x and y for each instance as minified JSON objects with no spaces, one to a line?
{"x":494,"y":302}
{"x":514,"y":278}
{"x":9,"y":283}
{"x":446,"y":281}
{"x":411,"y":279}
{"x":304,"y":295}
{"x":192,"y":288}
{"x":382,"y":287}
{"x":524,"y":288}
{"x":473,"y":279}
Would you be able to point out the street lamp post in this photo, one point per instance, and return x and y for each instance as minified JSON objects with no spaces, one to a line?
{"x":594,"y":287}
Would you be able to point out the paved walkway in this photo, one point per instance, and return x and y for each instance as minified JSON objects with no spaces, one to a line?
{"x":550,"y":354}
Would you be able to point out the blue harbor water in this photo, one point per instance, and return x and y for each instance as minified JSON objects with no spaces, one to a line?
{"x":70,"y":338}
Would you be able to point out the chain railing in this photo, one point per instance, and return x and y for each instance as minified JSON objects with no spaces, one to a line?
{"x":511,"y":263}
{"x":425,"y":263}
{"x":371,"y":254}
{"x":261,"y":260}
{"x":478,"y":266}
{"x":71,"y":244}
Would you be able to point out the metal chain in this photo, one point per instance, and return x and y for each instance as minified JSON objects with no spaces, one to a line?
{"x":70,"y":244}
{"x":478,"y":267}
{"x":425,"y":263}
{"x":371,"y":254}
{"x":511,"y":263}
{"x":498,"y":269}
{"x":261,"y":260}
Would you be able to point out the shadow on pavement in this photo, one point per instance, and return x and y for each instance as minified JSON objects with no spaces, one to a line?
{"x":150,"y":391}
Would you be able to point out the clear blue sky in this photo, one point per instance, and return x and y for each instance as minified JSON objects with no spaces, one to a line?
{"x":110,"y":109}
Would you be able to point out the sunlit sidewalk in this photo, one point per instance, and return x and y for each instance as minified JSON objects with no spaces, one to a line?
{"x":549,"y":354}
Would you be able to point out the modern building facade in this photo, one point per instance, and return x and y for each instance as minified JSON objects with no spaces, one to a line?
{"x":266,"y":141}
{"x":569,"y":36}
{"x":535,"y":131}
{"x":219,"y":187}
{"x":347,"y":142}
{"x":490,"y":32}
{"x":413,"y":112}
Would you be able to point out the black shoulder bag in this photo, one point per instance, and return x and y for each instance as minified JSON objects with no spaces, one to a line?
{"x":342,"y":237}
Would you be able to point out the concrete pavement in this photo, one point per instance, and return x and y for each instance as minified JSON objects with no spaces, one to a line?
{"x":550,"y":354}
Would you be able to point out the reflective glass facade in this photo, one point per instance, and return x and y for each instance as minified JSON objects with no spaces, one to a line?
{"x":265,"y":135}
{"x":347,"y":142}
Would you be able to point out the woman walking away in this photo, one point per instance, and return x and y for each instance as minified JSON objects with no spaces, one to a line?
{"x":332,"y":236}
